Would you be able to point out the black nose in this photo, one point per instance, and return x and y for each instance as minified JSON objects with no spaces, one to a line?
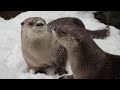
{"x":39,"y":24}
{"x":54,"y":29}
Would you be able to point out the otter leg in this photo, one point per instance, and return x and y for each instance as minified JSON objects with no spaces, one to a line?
{"x":61,"y":71}
{"x":67,"y":77}
{"x":41,"y":71}
{"x":61,"y":62}
{"x":37,"y":69}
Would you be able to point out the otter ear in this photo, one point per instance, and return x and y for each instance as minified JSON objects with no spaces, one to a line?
{"x":22,"y":23}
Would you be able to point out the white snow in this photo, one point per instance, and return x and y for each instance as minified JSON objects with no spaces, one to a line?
{"x":12,"y":64}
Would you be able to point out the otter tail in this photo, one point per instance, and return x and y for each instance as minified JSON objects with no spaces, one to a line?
{"x":100,"y":34}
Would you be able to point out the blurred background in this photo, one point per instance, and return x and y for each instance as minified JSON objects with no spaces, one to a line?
{"x":106,"y":17}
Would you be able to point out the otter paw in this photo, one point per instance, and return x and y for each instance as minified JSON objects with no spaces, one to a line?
{"x":40,"y":71}
{"x":61,"y":71}
{"x":67,"y":77}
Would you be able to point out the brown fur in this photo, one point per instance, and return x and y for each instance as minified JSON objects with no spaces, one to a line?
{"x":72,"y":21}
{"x":40,"y":49}
{"x":87,"y":60}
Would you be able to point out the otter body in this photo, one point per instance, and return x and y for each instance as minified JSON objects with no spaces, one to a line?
{"x":40,"y":49}
{"x":72,"y":21}
{"x":87,"y":60}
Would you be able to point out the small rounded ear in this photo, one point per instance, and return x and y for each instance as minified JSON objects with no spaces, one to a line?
{"x":22,"y":23}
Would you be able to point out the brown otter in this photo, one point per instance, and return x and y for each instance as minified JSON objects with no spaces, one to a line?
{"x":87,"y":60}
{"x":73,"y":21}
{"x":39,"y":48}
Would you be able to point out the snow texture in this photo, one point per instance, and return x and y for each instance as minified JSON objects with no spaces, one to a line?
{"x":12,"y":64}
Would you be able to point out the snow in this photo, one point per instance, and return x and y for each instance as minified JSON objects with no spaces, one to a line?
{"x":12,"y":64}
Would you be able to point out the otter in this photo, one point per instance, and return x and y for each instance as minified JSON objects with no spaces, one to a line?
{"x":40,"y":50}
{"x":73,"y":21}
{"x":87,"y":59}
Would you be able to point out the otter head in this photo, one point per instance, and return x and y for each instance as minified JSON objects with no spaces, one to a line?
{"x":34,"y":25}
{"x":68,"y":36}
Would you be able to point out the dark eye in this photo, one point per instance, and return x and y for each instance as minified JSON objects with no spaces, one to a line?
{"x":64,"y":33}
{"x":30,"y":24}
{"x":39,"y":24}
{"x":22,"y":23}
{"x":78,"y":40}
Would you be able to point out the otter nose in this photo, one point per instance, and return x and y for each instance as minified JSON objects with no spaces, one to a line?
{"x":39,"y":24}
{"x":54,"y":28}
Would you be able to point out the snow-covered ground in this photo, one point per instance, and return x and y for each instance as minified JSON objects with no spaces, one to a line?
{"x":12,"y":64}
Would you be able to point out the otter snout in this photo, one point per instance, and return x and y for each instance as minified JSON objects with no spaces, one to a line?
{"x":53,"y":30}
{"x":39,"y":23}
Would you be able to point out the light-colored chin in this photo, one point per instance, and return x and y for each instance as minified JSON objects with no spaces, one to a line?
{"x":54,"y":33}
{"x":55,"y":36}
{"x":61,"y":42}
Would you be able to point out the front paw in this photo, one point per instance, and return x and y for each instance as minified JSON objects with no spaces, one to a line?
{"x":67,"y":77}
{"x":40,"y":71}
{"x":61,"y":71}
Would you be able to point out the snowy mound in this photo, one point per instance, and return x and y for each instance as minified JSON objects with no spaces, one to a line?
{"x":12,"y":64}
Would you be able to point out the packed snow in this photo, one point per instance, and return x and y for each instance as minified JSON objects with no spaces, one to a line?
{"x":12,"y":64}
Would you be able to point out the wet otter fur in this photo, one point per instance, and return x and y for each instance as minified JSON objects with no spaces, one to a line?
{"x":73,"y":21}
{"x":87,"y":59}
{"x":40,"y":49}
{"x":44,"y":45}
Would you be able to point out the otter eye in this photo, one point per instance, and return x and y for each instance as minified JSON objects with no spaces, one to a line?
{"x":64,"y":33}
{"x":30,"y":24}
{"x":39,"y":24}
{"x":78,"y":40}
{"x":22,"y":23}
